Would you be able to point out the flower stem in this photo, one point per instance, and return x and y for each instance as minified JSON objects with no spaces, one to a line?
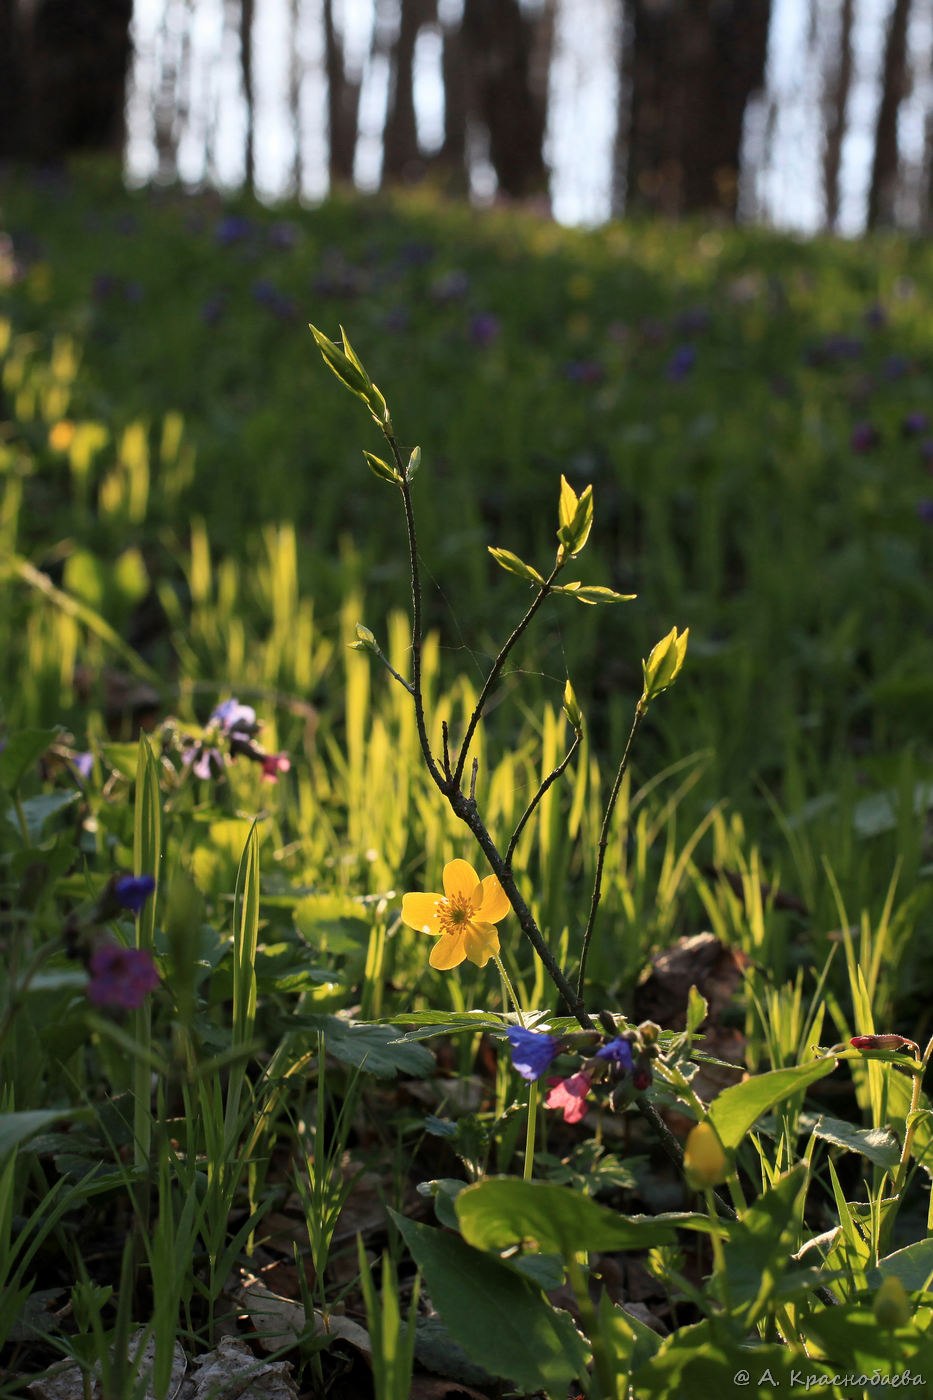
{"x":507,"y":984}
{"x":530,"y":1131}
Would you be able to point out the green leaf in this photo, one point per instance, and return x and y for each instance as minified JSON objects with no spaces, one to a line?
{"x":879,"y":1145}
{"x":40,"y":810}
{"x":433,"y":1023}
{"x":567,"y":504}
{"x":371,"y":1047}
{"x":23,"y":749}
{"x":17,"y":1127}
{"x":913,"y":1265}
{"x":513,"y":565}
{"x":501,"y":1212}
{"x":734,"y":1111}
{"x":331,"y":923}
{"x":382,"y":469}
{"x":592,"y":593}
{"x":759,"y":1244}
{"x":574,"y":533}
{"x":501,"y":1320}
{"x":341,"y":365}
{"x":697,"y":1007}
{"x":697,"y":1362}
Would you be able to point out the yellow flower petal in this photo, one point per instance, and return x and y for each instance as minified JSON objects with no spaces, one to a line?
{"x":459,"y":878}
{"x":419,"y":911}
{"x":447,"y":952}
{"x":480,"y":942}
{"x":494,"y":904}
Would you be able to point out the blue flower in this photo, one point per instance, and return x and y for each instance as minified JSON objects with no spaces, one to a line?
{"x":132,"y":891}
{"x":681,"y":363}
{"x":532,"y":1051}
{"x":618,"y":1052}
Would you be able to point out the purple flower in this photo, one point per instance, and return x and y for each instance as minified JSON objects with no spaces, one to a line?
{"x":914,"y":423}
{"x":876,"y":317}
{"x":84,"y":765}
{"x":681,"y":363}
{"x":483,"y":329}
{"x":896,"y":366}
{"x":132,"y":891}
{"x":618,"y":1052}
{"x":925,"y":510}
{"x":865,"y":436}
{"x":232,"y":716}
{"x":205,"y":762}
{"x":121,"y":977}
{"x":232,"y":228}
{"x":532,"y":1051}
{"x":102,"y":286}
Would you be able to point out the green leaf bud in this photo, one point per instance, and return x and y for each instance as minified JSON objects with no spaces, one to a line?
{"x":663,"y":665}
{"x":572,"y":709}
{"x":382,"y":469}
{"x":513,"y":565}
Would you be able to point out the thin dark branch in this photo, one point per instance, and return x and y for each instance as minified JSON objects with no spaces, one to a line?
{"x":551,"y":778}
{"x":640,"y":711}
{"x":497,"y":665}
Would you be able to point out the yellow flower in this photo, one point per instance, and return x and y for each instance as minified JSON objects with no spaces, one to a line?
{"x":61,"y":435}
{"x":461,"y":918}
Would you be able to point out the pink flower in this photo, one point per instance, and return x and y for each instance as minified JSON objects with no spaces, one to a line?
{"x":273,"y":764}
{"x":570,"y":1095}
{"x":121,"y":977}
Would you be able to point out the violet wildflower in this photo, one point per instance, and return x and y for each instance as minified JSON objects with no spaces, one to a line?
{"x":121,"y":977}
{"x":483,"y":329}
{"x":234,"y":717}
{"x":896,"y":366}
{"x":925,"y":510}
{"x":570,"y":1095}
{"x":232,"y":228}
{"x":876,"y":317}
{"x":681,"y":363}
{"x":865,"y":436}
{"x":618,"y":1053}
{"x":83,"y":764}
{"x":214,"y":309}
{"x":914,"y":423}
{"x":532,"y":1051}
{"x":132,"y":891}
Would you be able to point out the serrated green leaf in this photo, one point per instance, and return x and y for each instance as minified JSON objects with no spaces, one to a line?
{"x":513,"y":565}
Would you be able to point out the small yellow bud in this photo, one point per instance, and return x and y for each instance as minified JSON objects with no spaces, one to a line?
{"x":61,"y":435}
{"x":705,"y":1162}
{"x":892,"y":1306}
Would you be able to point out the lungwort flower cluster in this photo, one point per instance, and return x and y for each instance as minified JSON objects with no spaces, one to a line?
{"x":625,"y":1060}
{"x":231,"y":731}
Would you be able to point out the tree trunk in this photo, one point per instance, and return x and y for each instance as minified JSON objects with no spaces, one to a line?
{"x":836,"y":99}
{"x":63,"y":74}
{"x":499,"y":44}
{"x":694,"y":64}
{"x":453,"y":156}
{"x":343,"y":101}
{"x":246,"y":70}
{"x":882,"y":191}
{"x":401,"y":161}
